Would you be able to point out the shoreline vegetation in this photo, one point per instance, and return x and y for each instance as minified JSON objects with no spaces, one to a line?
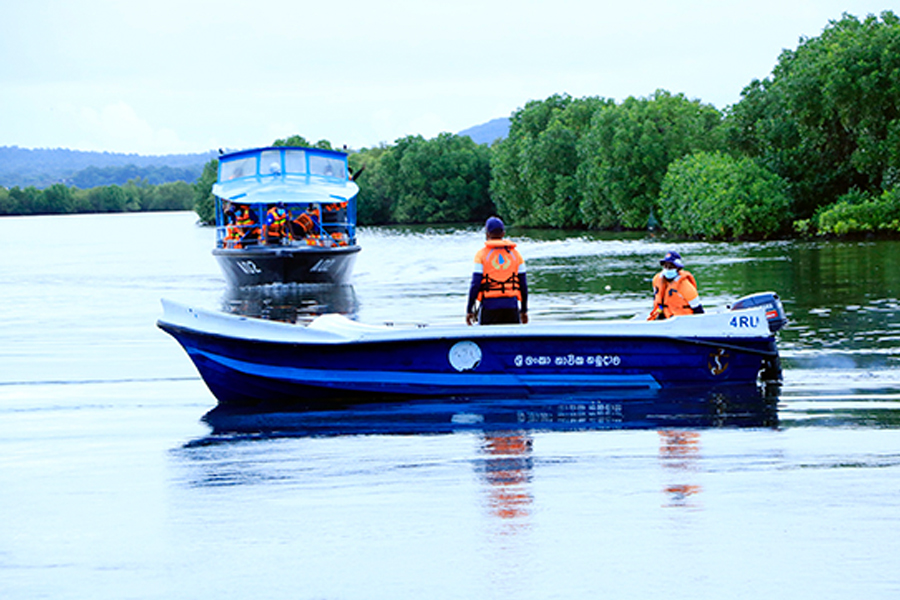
{"x":812,"y":150}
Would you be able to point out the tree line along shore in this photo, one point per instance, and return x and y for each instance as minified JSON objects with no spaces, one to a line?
{"x":814,"y":149}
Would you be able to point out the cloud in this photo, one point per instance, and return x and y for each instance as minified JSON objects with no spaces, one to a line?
{"x":117,"y":127}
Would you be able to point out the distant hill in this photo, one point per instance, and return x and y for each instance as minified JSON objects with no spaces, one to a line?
{"x":43,"y":167}
{"x":488,"y":133}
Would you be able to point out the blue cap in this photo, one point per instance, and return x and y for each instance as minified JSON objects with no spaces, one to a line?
{"x":674,"y":258}
{"x":494,"y":225}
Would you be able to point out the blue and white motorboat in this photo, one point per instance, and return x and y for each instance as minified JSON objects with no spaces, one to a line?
{"x":315,"y":241}
{"x":333,"y":361}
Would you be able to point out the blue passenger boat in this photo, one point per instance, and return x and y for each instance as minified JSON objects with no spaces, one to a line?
{"x":285,"y":215}
{"x":334,"y":361}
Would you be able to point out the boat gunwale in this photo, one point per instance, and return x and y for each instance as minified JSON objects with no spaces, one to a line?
{"x":283,"y":249}
{"x":335,"y":329}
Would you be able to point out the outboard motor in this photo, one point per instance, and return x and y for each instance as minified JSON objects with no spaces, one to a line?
{"x":768,"y":300}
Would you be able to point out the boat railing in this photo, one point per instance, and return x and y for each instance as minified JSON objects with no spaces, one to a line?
{"x":328,"y":234}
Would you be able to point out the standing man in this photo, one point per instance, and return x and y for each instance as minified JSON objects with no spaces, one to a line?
{"x":498,"y":280}
{"x":674,"y":290}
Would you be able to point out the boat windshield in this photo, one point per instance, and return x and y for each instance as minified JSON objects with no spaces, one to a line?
{"x":327,"y":166}
{"x":238,"y":167}
{"x":295,"y":162}
{"x":275,"y":161}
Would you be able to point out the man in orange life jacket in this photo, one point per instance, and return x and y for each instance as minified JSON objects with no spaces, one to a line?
{"x":276,"y":223}
{"x":674,"y":290}
{"x":498,"y":280}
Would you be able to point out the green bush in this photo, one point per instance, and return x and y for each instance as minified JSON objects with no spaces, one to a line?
{"x":715,"y":196}
{"x":859,"y":213}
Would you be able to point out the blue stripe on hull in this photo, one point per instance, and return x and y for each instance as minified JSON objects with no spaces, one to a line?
{"x":425,"y":383}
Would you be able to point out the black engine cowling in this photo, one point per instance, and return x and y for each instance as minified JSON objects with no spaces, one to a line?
{"x":768,"y":300}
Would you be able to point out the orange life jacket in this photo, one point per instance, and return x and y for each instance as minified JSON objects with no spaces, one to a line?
{"x":246,"y":224}
{"x":276,"y":219}
{"x":232,"y":237}
{"x":500,"y":263}
{"x":243,"y":217}
{"x":672,"y":298}
{"x":304,"y":223}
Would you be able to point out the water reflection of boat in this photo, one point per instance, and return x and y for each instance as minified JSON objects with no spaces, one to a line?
{"x":741,"y":406}
{"x":285,"y":215}
{"x":507,"y":467}
{"x":291,"y":303}
{"x":334,"y":360}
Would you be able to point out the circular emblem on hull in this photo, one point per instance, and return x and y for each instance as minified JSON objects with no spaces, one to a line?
{"x":465,"y":356}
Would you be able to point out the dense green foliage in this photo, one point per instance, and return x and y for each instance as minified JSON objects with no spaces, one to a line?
{"x":857,"y":213}
{"x":156,"y":175}
{"x":60,"y":199}
{"x":535,"y":169}
{"x":441,"y":180}
{"x":628,"y":148}
{"x":828,"y":120}
{"x":593,"y":163}
{"x":716,"y":196}
{"x":204,"y":202}
{"x":299,"y":140}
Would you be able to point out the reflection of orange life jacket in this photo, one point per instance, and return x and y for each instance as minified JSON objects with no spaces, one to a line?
{"x":674,"y":297}
{"x":500,"y":263}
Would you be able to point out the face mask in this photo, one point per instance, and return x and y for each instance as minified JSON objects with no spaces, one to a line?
{"x":670,"y":273}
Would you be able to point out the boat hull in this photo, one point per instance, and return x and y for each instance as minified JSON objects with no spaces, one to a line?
{"x":273,"y":373}
{"x":285,"y":264}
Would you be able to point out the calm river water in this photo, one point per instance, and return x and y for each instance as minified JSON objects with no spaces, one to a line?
{"x":114,"y":485}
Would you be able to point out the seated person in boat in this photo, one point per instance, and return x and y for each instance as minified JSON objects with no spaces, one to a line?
{"x":498,"y":280}
{"x":232,"y":230}
{"x":246,"y":224}
{"x":674,"y":290}
{"x":276,"y":224}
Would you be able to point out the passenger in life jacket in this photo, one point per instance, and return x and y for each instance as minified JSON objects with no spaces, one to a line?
{"x":276,"y":223}
{"x":246,"y":223}
{"x":232,"y":231}
{"x":334,"y":217}
{"x":498,"y":281}
{"x":674,"y":290}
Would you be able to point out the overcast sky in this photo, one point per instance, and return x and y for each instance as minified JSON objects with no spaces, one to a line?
{"x":172,"y":76}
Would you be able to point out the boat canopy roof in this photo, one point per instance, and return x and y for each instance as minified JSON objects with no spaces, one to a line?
{"x":284,"y":174}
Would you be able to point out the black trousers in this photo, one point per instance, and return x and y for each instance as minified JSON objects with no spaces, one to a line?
{"x":499,"y":311}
